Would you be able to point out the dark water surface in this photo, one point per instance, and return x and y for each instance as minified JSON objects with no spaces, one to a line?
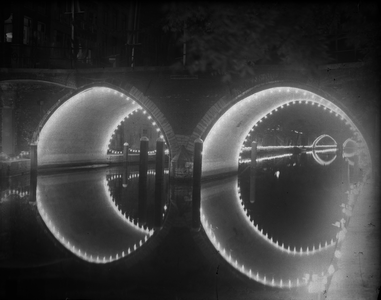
{"x":296,"y":204}
{"x":97,"y":211}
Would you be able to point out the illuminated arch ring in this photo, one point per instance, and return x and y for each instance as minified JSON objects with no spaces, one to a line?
{"x":318,"y":139}
{"x":220,"y":155}
{"x":315,"y":151}
{"x":78,"y":128}
{"x":350,"y":144}
{"x":85,"y":250}
{"x":224,"y":136}
{"x":253,"y":267}
{"x":153,"y":124}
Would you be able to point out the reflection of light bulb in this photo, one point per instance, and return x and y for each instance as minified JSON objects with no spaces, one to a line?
{"x":277,"y":173}
{"x":331,"y":270}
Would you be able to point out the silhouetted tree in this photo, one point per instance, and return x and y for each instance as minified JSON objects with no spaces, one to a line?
{"x":362,"y":28}
{"x":232,"y":38}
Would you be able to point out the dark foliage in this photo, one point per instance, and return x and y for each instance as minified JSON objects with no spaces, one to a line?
{"x":233,"y":38}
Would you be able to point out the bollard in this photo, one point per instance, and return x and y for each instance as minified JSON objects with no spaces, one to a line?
{"x":159,"y":180}
{"x":196,"y":193}
{"x":33,"y":159}
{"x":143,"y":166}
{"x":125,"y":152}
{"x":253,"y":167}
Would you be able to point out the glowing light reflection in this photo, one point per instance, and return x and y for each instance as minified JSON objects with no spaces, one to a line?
{"x":77,"y":251}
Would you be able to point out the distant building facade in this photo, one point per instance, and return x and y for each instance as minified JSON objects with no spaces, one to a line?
{"x":69,"y":34}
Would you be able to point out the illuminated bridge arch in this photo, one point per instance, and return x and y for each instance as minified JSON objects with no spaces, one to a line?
{"x":224,"y":130}
{"x":226,"y":125}
{"x":77,"y":130}
{"x":319,"y":138}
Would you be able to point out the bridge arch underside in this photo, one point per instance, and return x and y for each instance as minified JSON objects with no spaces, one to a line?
{"x":79,"y":130}
{"x":224,"y":140}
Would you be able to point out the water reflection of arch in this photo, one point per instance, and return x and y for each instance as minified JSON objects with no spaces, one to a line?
{"x":251,"y":252}
{"x":319,"y":160}
{"x":78,"y":211}
{"x":78,"y":128}
{"x":123,"y":184}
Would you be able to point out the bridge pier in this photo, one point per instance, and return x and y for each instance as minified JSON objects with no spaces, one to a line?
{"x":33,"y":172}
{"x":33,"y":160}
{"x":126,"y":148}
{"x":196,"y":193}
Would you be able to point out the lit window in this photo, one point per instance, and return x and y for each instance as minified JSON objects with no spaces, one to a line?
{"x":8,"y":29}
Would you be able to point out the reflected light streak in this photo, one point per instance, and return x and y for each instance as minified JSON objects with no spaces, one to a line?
{"x":243,"y":161}
{"x":319,"y":160}
{"x":248,"y":160}
{"x":246,"y":149}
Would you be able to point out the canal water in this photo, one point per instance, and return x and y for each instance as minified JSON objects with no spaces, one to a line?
{"x":94,"y":213}
{"x":269,"y":233}
{"x":278,"y":224}
{"x":97,"y":214}
{"x":295,"y":212}
{"x":296,"y":199}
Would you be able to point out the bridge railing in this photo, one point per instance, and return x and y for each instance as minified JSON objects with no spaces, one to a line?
{"x":35,"y":56}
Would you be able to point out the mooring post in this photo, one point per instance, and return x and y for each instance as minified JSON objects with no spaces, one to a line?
{"x":32,"y":188}
{"x":125,"y":152}
{"x":143,"y":166}
{"x":159,"y":180}
{"x":196,"y":193}
{"x":253,"y":167}
{"x":33,"y":159}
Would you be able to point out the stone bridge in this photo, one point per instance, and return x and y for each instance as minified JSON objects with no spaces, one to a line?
{"x":66,"y":113}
